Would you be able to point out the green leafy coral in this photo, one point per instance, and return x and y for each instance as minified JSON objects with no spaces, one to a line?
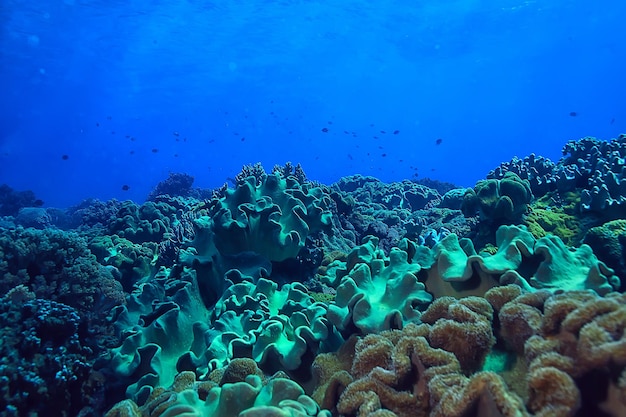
{"x":271,"y":216}
{"x":378,"y":293}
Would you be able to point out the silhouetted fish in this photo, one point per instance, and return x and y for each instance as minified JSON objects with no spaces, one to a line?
{"x":125,"y":187}
{"x":573,"y":114}
{"x":395,"y":132}
{"x":155,"y":150}
{"x":65,"y":157}
{"x":325,"y":129}
{"x":613,"y":120}
{"x":438,"y":141}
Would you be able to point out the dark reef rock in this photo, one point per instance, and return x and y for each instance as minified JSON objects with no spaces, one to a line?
{"x":11,"y":201}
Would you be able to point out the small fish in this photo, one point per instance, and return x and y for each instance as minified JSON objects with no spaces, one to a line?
{"x":330,"y":123}
{"x":155,"y":150}
{"x":383,"y":132}
{"x":65,"y":157}
{"x":132,"y":138}
{"x":212,"y":141}
{"x":613,"y":120}
{"x":350,"y":157}
{"x":384,"y":155}
{"x":175,"y":155}
{"x":395,"y":132}
{"x":243,"y":139}
{"x":573,"y":114}
{"x":97,"y":124}
{"x":125,"y":187}
{"x":132,"y":152}
{"x":439,"y":141}
{"x":175,"y":133}
{"x":325,"y":129}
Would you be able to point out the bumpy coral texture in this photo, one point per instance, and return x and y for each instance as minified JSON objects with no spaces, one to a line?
{"x":272,"y":217}
{"x":47,"y":365}
{"x":400,"y":373}
{"x":570,"y":342}
{"x":571,"y":349}
{"x":58,"y":266}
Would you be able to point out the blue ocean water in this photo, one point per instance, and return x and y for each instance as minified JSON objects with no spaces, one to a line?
{"x":96,"y":95}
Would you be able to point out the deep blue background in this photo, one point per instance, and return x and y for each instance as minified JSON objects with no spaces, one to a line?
{"x":106,"y":82}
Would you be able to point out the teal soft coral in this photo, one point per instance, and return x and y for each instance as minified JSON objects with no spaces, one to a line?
{"x":378,"y":293}
{"x":272,"y":217}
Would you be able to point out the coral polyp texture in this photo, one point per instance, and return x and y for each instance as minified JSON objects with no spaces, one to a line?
{"x":278,"y":296}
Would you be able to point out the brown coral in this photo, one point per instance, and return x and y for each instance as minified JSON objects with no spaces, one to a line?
{"x":484,"y":394}
{"x":398,"y":378}
{"x":574,"y":344}
{"x":462,"y":327}
{"x":570,"y":346}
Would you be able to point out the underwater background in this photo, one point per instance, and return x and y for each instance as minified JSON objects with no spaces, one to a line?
{"x":325,"y":209}
{"x":133,"y":90}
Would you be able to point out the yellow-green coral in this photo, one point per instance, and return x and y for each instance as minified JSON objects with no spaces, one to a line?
{"x":322,"y":297}
{"x":547,"y":216}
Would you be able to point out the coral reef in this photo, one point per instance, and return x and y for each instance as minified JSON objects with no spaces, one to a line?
{"x":377,"y":293}
{"x":280,"y":296}
{"x":11,"y":201}
{"x":47,"y":365}
{"x":251,"y":397}
{"x":271,"y":216}
{"x":501,"y":201}
{"x":176,"y":184}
